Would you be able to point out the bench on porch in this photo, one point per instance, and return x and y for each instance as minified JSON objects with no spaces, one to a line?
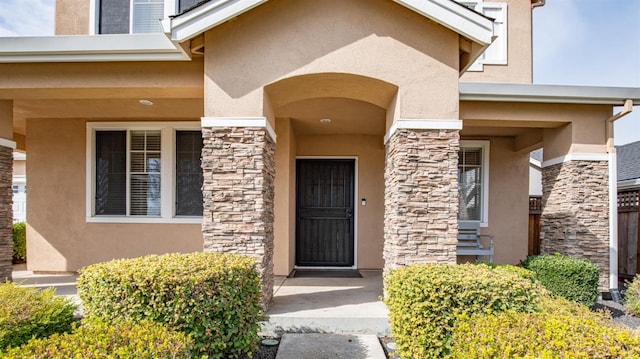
{"x":470,"y":241}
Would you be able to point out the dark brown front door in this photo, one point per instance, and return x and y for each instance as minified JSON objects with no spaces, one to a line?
{"x":324,"y":212}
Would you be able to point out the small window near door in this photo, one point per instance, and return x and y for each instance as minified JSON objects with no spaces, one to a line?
{"x":473,"y":173}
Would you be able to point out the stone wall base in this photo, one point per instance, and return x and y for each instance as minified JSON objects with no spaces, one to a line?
{"x":6,"y":213}
{"x":575,"y":214}
{"x":238,"y":193}
{"x":421,"y":197}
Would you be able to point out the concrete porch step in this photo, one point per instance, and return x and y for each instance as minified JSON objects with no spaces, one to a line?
{"x":328,"y":305}
{"x":325,"y":346}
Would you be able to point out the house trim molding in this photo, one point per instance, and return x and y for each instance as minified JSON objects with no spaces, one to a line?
{"x":239,"y":122}
{"x":450,"y":14}
{"x":91,"y":48}
{"x":629,"y":184}
{"x":500,"y":92}
{"x":422,"y":124}
{"x":575,"y":157}
{"x":7,"y":143}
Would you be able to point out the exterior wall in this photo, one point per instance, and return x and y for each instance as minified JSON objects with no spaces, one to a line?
{"x":19,"y":168}
{"x":238,"y":193}
{"x":535,"y":180}
{"x":575,"y":214}
{"x":285,"y":199}
{"x":421,"y":197}
{"x":508,"y":201}
{"x":6,"y":213}
{"x":58,"y":237}
{"x":369,"y":151}
{"x":380,"y":40}
{"x":72,"y":17}
{"x":519,"y":48}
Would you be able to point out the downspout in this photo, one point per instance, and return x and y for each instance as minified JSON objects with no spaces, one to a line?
{"x":613,"y":202}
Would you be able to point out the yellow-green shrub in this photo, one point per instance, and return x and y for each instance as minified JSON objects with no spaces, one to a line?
{"x":99,"y":339}
{"x":632,"y":296}
{"x":19,"y":232}
{"x":214,"y":298}
{"x":572,"y":278}
{"x":561,"y":330}
{"x":29,"y":312}
{"x":425,"y":301}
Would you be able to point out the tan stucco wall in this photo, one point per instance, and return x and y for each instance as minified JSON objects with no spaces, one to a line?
{"x":285,"y":195}
{"x":58,"y":236}
{"x":508,"y":201}
{"x":19,"y":168}
{"x":377,"y":39}
{"x":72,"y":17}
{"x":369,"y":151}
{"x":519,"y":52}
{"x":6,"y":119}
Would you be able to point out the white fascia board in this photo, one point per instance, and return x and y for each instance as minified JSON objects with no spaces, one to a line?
{"x":454,"y":16}
{"x":207,"y":16}
{"x":90,"y":48}
{"x":501,"y":92}
{"x":629,"y":184}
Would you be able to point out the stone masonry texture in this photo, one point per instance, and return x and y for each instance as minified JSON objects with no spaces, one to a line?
{"x":575,"y":213}
{"x":238,"y":194}
{"x":6,"y":213}
{"x":421,"y":197}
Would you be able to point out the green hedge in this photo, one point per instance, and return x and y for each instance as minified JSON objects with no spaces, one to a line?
{"x":98,"y":339}
{"x":29,"y":312}
{"x":562,"y":330}
{"x":214,"y":298}
{"x":424,"y":301}
{"x":573,"y":278}
{"x":632,"y":296}
{"x":19,"y":242}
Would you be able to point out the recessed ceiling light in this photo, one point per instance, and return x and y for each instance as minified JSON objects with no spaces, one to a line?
{"x":146,"y":102}
{"x":325,"y":120}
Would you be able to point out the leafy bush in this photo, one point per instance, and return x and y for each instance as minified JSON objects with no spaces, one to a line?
{"x":561,"y":330}
{"x":573,"y":278}
{"x":523,"y":272}
{"x":19,"y":242}
{"x":425,"y":300}
{"x":632,"y":297}
{"x":212,"y":297}
{"x":29,"y":312}
{"x":98,"y":339}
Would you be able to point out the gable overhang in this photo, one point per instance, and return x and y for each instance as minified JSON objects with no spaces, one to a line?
{"x":456,"y":17}
{"x":91,"y":48}
{"x":534,"y":93}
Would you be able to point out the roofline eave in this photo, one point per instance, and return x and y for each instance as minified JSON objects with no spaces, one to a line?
{"x":535,"y":93}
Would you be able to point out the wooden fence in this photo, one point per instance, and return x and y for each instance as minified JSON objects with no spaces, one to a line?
{"x":628,"y":235}
{"x":535,"y":210}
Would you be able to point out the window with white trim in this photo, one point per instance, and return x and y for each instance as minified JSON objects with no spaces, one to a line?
{"x":473,"y":181}
{"x":144,"y":172}
{"x":129,"y":16}
{"x":496,"y":53}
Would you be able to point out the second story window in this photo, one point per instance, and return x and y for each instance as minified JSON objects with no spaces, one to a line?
{"x":130,"y":16}
{"x":496,"y":54}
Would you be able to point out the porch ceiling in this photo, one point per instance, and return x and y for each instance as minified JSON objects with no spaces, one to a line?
{"x":347,"y":116}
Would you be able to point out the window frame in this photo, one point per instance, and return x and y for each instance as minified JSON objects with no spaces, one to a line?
{"x":170,"y":9}
{"x":502,"y":34}
{"x":484,"y":195}
{"x":167,"y":170}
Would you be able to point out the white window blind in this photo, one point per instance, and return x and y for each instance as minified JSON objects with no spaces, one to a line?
{"x":147,"y":15}
{"x":473,"y":181}
{"x":145,"y":163}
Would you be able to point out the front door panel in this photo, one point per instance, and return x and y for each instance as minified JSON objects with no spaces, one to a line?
{"x":324,"y":212}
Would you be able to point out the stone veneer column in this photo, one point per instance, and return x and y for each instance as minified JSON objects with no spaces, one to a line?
{"x":575,"y":212}
{"x":421,"y":197}
{"x":6,"y":213}
{"x":238,"y":193}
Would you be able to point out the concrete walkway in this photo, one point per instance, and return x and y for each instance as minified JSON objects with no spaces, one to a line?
{"x":330,"y":346}
{"x":328,"y":305}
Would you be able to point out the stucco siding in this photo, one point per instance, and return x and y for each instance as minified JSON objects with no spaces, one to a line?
{"x":58,"y":235}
